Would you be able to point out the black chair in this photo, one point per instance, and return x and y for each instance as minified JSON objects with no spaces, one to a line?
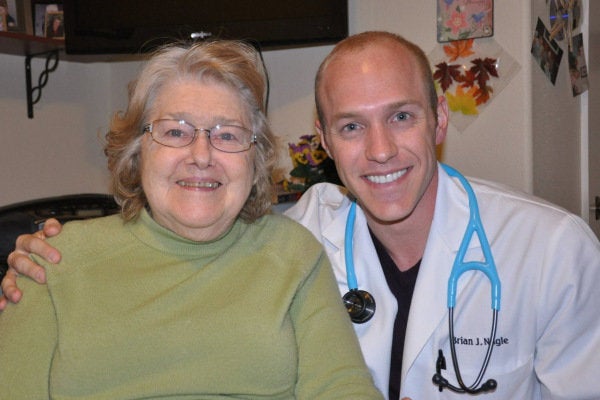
{"x":29,"y":216}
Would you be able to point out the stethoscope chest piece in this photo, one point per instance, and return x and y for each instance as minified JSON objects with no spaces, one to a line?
{"x":360,"y":305}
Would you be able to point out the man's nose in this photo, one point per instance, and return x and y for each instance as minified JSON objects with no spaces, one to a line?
{"x":381,"y":145}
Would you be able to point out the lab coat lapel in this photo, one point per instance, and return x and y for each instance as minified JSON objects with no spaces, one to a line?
{"x":375,"y":336}
{"x":429,"y":310}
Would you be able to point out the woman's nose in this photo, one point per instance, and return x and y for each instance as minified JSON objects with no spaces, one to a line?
{"x":201,"y":149}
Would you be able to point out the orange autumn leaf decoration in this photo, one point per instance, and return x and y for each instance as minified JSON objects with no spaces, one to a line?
{"x":459,"y":48}
{"x":471,"y":83}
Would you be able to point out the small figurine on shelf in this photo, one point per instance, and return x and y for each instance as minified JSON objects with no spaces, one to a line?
{"x":311,"y":165}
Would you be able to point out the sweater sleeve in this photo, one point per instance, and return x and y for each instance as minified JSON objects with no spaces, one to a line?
{"x":29,"y":334}
{"x":330,"y":362}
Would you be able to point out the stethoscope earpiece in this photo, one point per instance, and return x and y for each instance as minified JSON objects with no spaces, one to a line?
{"x":360,"y":305}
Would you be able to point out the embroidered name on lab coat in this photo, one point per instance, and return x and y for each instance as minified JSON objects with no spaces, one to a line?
{"x":484,"y":341}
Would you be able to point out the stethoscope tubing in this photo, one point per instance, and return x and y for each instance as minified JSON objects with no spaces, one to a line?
{"x":348,"y":246}
{"x":460,"y":266}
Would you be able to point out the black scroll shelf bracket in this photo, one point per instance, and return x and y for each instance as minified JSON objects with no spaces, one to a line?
{"x":34,"y":93}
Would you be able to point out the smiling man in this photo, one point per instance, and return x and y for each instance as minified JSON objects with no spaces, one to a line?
{"x":380,"y":119}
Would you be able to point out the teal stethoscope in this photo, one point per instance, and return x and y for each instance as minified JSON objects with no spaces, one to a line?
{"x":361,"y":304}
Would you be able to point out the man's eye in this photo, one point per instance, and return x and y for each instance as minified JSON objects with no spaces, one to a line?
{"x":350,"y":127}
{"x":401,"y":116}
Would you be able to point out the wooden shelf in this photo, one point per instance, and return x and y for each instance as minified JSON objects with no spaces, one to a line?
{"x":21,"y":44}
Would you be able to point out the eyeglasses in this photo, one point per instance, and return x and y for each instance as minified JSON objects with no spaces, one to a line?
{"x":178,"y":133}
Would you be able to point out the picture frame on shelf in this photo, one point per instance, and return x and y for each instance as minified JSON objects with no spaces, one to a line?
{"x":3,"y":26}
{"x":5,"y":16}
{"x":39,"y":10}
{"x":17,"y":15}
{"x":54,"y":26}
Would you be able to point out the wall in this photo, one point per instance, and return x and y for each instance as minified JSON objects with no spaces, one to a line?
{"x":57,"y":152}
{"x":556,"y":130}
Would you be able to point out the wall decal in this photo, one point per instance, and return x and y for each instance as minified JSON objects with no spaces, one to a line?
{"x":470,"y":74}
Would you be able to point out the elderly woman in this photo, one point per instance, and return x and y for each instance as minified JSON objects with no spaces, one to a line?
{"x":194,"y":291}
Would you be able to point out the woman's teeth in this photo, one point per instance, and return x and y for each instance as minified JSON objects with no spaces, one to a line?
{"x":211,"y":185}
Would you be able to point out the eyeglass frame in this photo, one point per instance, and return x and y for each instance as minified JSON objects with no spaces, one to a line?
{"x":148,"y":128}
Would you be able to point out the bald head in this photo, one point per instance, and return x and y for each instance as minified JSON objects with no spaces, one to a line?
{"x":384,"y":46}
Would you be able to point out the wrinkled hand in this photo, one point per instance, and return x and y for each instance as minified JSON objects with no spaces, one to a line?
{"x":19,"y":261}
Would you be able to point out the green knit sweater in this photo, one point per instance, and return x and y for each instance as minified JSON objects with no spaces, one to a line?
{"x":134,"y":311}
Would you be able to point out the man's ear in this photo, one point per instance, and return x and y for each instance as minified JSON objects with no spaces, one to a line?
{"x":442,"y":120}
{"x":323,"y":139}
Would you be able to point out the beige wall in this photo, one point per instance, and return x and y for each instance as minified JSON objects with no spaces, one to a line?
{"x":57,"y":152}
{"x":556,"y":131}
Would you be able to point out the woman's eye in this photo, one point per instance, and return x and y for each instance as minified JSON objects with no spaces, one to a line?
{"x":175,"y":133}
{"x":226,"y":137}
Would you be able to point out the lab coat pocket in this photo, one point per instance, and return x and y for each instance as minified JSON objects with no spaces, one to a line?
{"x":514,"y":381}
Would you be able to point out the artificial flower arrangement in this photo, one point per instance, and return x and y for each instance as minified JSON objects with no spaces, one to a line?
{"x":311,"y":165}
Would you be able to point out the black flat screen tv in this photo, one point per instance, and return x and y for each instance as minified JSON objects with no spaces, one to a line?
{"x":138,"y":26}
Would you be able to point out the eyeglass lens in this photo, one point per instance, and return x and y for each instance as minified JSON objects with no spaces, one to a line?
{"x":178,"y":133}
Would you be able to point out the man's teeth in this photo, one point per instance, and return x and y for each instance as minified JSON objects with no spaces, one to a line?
{"x":386,"y":178}
{"x":211,"y":185}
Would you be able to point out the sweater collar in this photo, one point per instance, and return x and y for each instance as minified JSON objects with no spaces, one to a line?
{"x":148,"y":231}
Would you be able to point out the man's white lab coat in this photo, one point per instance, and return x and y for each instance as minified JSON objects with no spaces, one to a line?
{"x":548,"y":260}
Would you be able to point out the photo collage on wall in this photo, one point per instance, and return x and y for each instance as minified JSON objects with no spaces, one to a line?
{"x":565,"y":17}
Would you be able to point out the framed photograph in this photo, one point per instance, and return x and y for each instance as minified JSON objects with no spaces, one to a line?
{"x":40,"y":9}
{"x":54,"y":25}
{"x":18,"y":15}
{"x":5,"y":16}
{"x":464,"y":19}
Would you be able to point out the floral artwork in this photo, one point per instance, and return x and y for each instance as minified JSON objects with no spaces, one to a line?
{"x":464,"y":19}
{"x":311,"y":165}
{"x":469,"y":74}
